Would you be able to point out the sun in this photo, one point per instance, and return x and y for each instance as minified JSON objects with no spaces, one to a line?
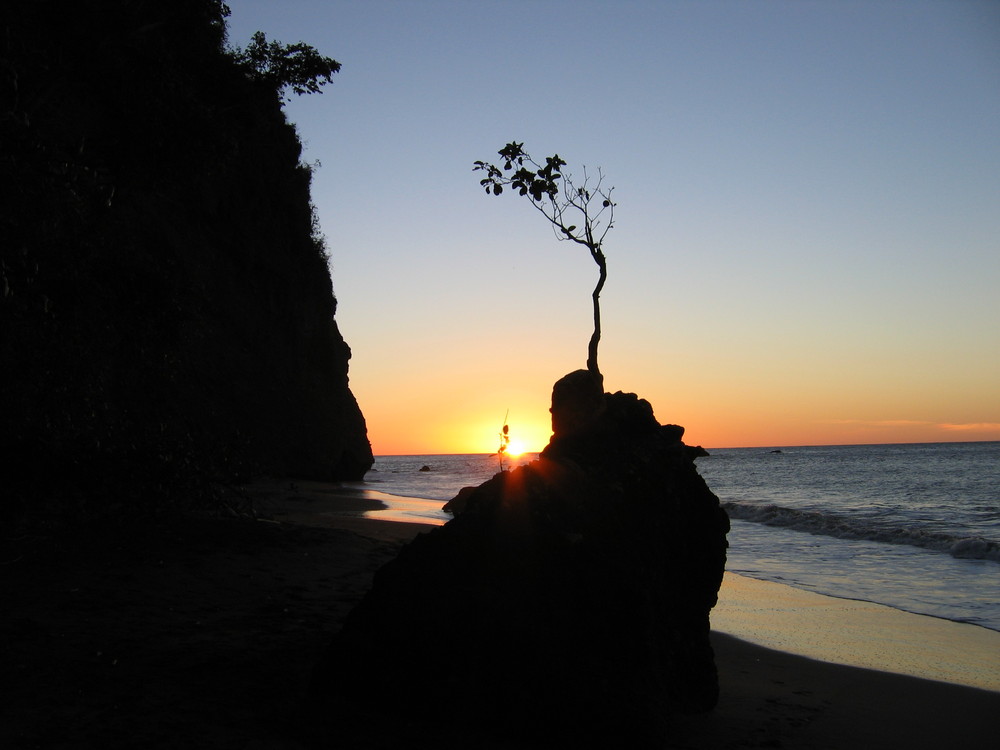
{"x":515,"y":448}
{"x":525,"y":437}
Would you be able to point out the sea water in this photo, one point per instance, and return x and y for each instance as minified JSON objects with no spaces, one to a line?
{"x":915,"y":526}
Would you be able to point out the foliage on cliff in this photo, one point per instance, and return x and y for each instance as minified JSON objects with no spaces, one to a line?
{"x":167,"y":315}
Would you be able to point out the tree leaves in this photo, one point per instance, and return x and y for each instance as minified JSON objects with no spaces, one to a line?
{"x":297,"y":65}
{"x":538,"y":182}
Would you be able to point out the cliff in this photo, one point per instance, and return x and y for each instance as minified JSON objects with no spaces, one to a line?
{"x":167,"y":313}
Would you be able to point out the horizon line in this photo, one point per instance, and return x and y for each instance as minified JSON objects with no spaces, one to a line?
{"x":728,"y":447}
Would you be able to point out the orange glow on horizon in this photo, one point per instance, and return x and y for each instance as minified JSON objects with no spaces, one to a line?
{"x":482,"y":437}
{"x":468,"y":419}
{"x":458,"y":433}
{"x":526,"y":436}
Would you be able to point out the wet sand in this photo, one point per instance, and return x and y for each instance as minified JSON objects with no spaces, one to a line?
{"x":857,"y":633}
{"x":201,"y":634}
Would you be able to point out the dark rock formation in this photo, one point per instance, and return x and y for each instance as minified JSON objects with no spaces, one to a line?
{"x":457,"y":504}
{"x":166,"y":309}
{"x":577,"y":403}
{"x":567,"y":601}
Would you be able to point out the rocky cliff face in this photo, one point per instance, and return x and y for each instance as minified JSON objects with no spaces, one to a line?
{"x":566,"y":603}
{"x":167,"y":312}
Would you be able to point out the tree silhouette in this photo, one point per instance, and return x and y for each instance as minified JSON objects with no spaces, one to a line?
{"x":297,"y":65}
{"x":581,"y":213}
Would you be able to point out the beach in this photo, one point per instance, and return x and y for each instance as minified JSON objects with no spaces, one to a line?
{"x":202,"y":633}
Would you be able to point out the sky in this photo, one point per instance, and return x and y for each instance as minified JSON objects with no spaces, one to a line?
{"x":806,"y":247}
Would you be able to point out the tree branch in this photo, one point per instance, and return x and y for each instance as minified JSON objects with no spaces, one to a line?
{"x":540,"y":184}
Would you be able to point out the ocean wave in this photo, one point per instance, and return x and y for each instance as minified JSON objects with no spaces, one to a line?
{"x":844,"y":527}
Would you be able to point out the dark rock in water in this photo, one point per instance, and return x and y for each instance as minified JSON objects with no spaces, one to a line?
{"x":567,"y":602}
{"x":425,"y":468}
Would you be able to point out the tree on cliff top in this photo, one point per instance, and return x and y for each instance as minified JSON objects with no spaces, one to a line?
{"x":297,"y":65}
{"x":581,"y":213}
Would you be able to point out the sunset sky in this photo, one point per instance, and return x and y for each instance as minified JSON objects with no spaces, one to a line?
{"x":807,"y":239}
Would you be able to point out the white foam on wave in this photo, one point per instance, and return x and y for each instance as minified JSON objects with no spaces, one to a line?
{"x":844,"y":527}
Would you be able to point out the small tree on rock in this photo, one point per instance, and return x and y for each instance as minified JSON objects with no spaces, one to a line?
{"x":581,"y":213}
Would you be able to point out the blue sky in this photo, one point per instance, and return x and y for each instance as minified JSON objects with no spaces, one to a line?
{"x":807,"y":240}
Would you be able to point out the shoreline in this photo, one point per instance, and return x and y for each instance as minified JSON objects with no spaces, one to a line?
{"x":333,"y":505}
{"x":785,"y":618}
{"x":857,"y":633}
{"x":323,"y":504}
{"x":936,"y":683}
{"x":203,"y":633}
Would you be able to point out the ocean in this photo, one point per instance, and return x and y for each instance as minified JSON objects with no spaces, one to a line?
{"x":915,"y":527}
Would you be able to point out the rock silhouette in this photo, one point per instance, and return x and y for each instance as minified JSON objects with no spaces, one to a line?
{"x":568,"y":599}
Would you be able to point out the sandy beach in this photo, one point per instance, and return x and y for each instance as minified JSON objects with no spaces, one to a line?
{"x":202,"y":634}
